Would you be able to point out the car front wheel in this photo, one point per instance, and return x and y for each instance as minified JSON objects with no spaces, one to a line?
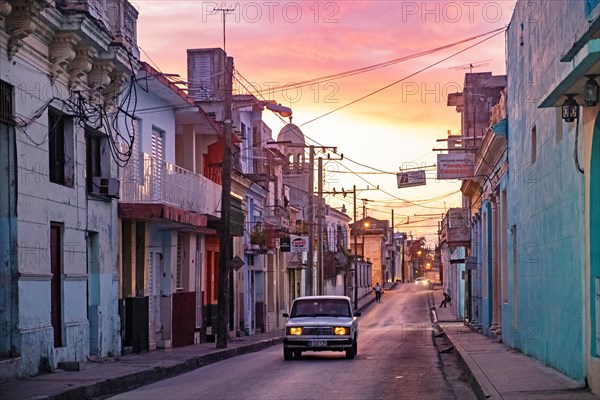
{"x":351,"y":352}
{"x":287,"y":354}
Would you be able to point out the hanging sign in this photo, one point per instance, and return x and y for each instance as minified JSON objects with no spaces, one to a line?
{"x":298,"y":243}
{"x":284,"y":244}
{"x":455,"y":166}
{"x":411,"y":178}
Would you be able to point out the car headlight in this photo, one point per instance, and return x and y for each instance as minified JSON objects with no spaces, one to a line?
{"x":341,"y":330}
{"x":295,"y":330}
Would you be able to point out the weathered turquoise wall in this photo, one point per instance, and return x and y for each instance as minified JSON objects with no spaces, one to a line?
{"x":594,"y":233}
{"x":486,"y":268}
{"x":545,"y":192}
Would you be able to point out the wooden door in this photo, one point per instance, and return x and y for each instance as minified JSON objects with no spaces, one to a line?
{"x":55,"y":283}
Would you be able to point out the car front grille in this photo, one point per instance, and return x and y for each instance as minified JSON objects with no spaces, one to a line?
{"x":317,"y":330}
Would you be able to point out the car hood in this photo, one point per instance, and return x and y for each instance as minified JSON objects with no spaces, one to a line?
{"x":320,"y":321}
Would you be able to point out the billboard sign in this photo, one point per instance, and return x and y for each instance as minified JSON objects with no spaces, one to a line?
{"x":411,"y":178}
{"x":298,"y":243}
{"x":455,"y":166}
{"x":284,"y":244}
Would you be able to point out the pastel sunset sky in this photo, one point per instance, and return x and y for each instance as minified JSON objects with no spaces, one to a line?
{"x":279,"y":42}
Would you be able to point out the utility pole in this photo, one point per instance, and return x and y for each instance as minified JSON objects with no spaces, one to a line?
{"x":320,"y":270}
{"x":355,"y":255}
{"x":311,"y":286}
{"x":362,"y":228}
{"x":311,"y":188}
{"x":224,"y":237}
{"x":355,"y":230}
{"x":393,"y":251}
{"x":404,"y":237}
{"x":320,"y":227}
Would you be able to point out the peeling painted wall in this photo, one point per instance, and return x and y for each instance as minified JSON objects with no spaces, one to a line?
{"x":545,"y":193}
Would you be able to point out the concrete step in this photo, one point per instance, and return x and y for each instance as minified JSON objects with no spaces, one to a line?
{"x":10,"y":369}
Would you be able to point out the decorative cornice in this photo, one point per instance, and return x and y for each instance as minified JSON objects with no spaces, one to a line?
{"x":62,"y":52}
{"x":81,"y":65}
{"x":5,"y":9}
{"x":21,"y":24}
{"x":115,"y":88}
{"x":99,"y":75}
{"x":75,"y":277}
{"x":34,"y":276}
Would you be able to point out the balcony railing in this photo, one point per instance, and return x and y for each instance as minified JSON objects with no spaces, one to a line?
{"x":156,"y":181}
{"x":122,"y":17}
{"x":95,"y":8}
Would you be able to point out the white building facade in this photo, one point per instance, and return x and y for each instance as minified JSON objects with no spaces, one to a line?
{"x":60,"y":76}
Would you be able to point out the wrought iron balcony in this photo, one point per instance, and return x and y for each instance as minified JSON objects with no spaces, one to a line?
{"x":150,"y":180}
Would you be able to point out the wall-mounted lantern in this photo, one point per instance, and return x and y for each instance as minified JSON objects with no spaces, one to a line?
{"x":591,"y":90}
{"x":570,"y":108}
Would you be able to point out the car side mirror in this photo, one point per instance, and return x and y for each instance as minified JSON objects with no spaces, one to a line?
{"x":357,"y":314}
{"x":286,"y":315}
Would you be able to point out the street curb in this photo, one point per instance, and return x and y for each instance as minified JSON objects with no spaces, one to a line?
{"x":479,"y":382}
{"x":481,"y":385}
{"x":134,"y":380}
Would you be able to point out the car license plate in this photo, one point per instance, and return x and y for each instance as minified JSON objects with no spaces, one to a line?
{"x":318,"y":343}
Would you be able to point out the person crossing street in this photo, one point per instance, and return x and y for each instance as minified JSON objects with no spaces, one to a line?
{"x":377,"y":290}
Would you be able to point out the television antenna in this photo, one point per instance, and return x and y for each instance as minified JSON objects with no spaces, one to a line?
{"x":475,"y":64}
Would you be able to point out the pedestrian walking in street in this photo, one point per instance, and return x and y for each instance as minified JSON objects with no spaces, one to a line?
{"x":377,"y":290}
{"x":447,"y":299}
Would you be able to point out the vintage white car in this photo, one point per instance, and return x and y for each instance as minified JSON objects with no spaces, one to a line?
{"x":321,"y":323}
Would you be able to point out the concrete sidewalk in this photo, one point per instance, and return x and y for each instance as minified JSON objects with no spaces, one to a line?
{"x":119,"y":374}
{"x":499,"y":372}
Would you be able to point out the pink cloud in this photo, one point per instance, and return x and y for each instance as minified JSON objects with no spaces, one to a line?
{"x":332,"y":37}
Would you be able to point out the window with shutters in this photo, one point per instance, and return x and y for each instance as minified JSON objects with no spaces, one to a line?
{"x":137,"y":159}
{"x":6,"y":102}
{"x":203,"y":75}
{"x":97,"y":157}
{"x":156,"y":165}
{"x":158,"y":143}
{"x":61,"y":162}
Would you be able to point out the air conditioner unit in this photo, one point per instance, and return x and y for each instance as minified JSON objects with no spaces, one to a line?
{"x":108,"y":187}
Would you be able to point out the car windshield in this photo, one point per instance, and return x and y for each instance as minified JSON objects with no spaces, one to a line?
{"x":321,"y":307}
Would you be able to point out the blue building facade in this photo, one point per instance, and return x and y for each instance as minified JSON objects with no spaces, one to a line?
{"x":548,"y":289}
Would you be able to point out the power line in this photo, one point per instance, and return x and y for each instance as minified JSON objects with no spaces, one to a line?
{"x":373,"y":67}
{"x":406,"y":77}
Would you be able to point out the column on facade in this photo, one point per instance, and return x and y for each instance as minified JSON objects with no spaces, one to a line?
{"x":496,"y":290}
{"x":475,"y":253}
{"x":479,"y":279}
{"x":485,"y":259}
